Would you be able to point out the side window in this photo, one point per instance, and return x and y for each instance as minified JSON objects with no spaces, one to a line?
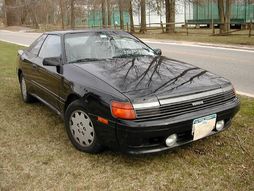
{"x":35,"y":47}
{"x":51,"y":47}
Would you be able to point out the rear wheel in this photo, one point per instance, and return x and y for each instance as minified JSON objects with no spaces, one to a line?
{"x":80,"y":128}
{"x":27,"y":98}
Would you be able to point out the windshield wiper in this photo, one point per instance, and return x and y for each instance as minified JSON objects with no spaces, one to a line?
{"x":128,"y":55}
{"x":85,"y":60}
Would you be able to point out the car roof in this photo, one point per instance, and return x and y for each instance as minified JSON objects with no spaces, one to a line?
{"x":81,"y":31}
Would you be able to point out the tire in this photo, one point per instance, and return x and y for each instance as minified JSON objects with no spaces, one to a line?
{"x":80,"y":129}
{"x":27,"y":98}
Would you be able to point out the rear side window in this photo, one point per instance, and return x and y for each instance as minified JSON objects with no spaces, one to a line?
{"x":51,"y":47}
{"x":35,"y":47}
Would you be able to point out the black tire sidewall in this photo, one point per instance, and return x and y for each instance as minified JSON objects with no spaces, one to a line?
{"x":95,"y":147}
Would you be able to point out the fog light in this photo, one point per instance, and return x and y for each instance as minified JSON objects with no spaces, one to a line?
{"x":220,"y":125}
{"x":171,"y":140}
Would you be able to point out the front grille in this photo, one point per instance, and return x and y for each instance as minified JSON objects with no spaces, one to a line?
{"x":176,"y":109}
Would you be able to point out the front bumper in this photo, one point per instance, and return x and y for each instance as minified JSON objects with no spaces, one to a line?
{"x":149,"y":137}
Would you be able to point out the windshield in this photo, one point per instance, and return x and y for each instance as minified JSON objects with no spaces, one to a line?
{"x":91,"y":46}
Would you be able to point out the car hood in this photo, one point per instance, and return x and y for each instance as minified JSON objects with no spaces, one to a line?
{"x":153,"y":76}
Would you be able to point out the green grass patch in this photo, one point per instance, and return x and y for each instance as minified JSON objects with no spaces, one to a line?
{"x":35,"y":153}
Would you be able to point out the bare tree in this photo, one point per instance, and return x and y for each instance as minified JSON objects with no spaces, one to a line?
{"x":109,"y":12}
{"x":228,"y":15}
{"x":170,"y":15}
{"x":103,"y":12}
{"x":143,"y":16}
{"x":32,"y":8}
{"x":72,"y":14}
{"x":11,"y":8}
{"x":61,"y":12}
{"x":224,"y":15}
{"x":120,"y":3}
{"x":4,"y":13}
{"x":131,"y":16}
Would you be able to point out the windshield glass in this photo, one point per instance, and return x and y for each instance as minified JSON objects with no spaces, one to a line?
{"x":91,"y":46}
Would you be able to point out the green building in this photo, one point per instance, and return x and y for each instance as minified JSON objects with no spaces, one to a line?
{"x":95,"y":18}
{"x":204,"y":13}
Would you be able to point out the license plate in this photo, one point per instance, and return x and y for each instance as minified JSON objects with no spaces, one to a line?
{"x":203,"y":126}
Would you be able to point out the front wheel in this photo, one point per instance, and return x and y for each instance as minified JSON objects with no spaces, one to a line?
{"x":27,"y":98}
{"x":80,"y":128}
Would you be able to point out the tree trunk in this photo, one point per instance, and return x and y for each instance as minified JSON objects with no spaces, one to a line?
{"x":4,"y":14}
{"x":62,"y":13}
{"x":34,"y":18}
{"x":170,"y":15}
{"x":12,"y":17}
{"x":109,"y":13}
{"x":228,"y":15}
{"x":23,"y":16}
{"x":46,"y":9}
{"x":103,"y":13}
{"x":131,"y":17}
{"x":173,"y":13}
{"x":72,"y":15}
{"x":143,"y":16}
{"x":121,"y":14}
{"x":221,"y":15}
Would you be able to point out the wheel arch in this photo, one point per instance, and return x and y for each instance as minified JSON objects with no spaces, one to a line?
{"x":71,"y":98}
{"x":19,"y":74}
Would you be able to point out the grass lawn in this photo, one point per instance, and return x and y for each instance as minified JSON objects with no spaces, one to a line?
{"x":35,"y":153}
{"x":202,"y":35}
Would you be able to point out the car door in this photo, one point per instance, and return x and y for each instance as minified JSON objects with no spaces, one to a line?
{"x":29,"y":61}
{"x":49,"y":78}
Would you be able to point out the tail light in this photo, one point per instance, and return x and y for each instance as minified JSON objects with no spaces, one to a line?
{"x":123,"y":110}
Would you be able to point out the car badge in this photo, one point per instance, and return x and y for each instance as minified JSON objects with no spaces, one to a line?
{"x":197,"y":103}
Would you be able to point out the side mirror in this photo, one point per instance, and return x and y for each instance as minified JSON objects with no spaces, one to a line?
{"x":51,"y":61}
{"x":158,"y":52}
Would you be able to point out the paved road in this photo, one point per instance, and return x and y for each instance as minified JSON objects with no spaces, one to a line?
{"x":235,"y":65}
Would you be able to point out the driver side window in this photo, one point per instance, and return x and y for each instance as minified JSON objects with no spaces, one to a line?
{"x":51,"y":47}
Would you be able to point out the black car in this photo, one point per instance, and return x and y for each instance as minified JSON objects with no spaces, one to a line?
{"x":113,"y":90}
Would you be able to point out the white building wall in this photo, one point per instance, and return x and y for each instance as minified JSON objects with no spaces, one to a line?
{"x":181,"y":9}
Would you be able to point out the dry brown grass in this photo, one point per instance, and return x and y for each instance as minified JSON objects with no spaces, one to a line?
{"x":202,"y":35}
{"x":35,"y":153}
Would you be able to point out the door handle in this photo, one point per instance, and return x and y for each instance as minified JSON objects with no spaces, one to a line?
{"x":34,"y":66}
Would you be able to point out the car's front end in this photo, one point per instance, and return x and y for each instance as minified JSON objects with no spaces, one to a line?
{"x":171,"y":123}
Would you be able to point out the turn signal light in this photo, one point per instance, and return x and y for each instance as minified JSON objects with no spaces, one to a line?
{"x":123,"y":110}
{"x":102,"y":120}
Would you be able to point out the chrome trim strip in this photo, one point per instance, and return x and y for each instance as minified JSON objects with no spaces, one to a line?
{"x":181,"y":99}
{"x":189,"y":97}
{"x":146,"y":105}
{"x":194,"y":96}
{"x":47,"y":104}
